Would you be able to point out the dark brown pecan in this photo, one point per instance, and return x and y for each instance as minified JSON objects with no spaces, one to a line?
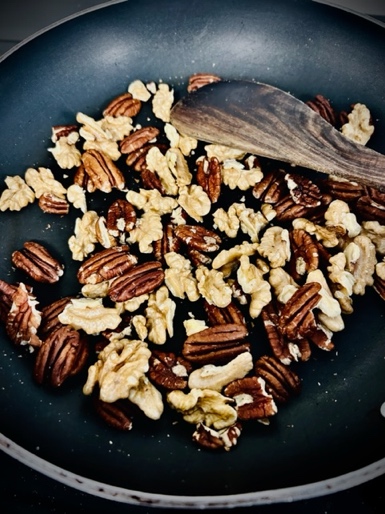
{"x":123,"y":105}
{"x":271,"y":188}
{"x":252,"y":399}
{"x":50,"y":313}
{"x":138,"y":139}
{"x":198,"y":80}
{"x":209,"y":177}
{"x":212,"y":439}
{"x":281,"y":381}
{"x":169,"y":370}
{"x":321,"y":338}
{"x":83,"y":180}
{"x":52,"y":204}
{"x":106,"y":265}
{"x":6,"y":294}
{"x":168,"y":243}
{"x":141,"y":279}
{"x":371,"y":207}
{"x":303,"y":191}
{"x":342,"y":189}
{"x":63,"y":354}
{"x":220,"y":343}
{"x":23,"y":318}
{"x":151,"y":180}
{"x":121,"y":217}
{"x":284,"y":350}
{"x":304,"y":254}
{"x":137,"y":159}
{"x":198,"y":237}
{"x":297,"y":319}
{"x":117,"y":415}
{"x":323,"y":107}
{"x":102,"y":170}
{"x":198,"y":258}
{"x":224,"y":315}
{"x":287,"y":210}
{"x":379,"y":284}
{"x":36,"y":261}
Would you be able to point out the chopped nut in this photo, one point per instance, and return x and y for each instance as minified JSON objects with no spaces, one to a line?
{"x":235,"y":175}
{"x":96,"y":138}
{"x":139,"y":91}
{"x":251,"y":280}
{"x":203,"y":406}
{"x":77,"y":196}
{"x":162,"y":102}
{"x":82,"y":243}
{"x":42,"y":181}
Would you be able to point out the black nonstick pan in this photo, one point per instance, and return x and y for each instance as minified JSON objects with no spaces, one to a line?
{"x":329,"y":438}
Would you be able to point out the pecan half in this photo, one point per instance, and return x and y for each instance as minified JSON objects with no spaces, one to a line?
{"x":252,"y":399}
{"x":141,"y":279}
{"x":123,"y":105}
{"x":209,"y":177}
{"x":371,"y":207}
{"x":212,"y":439}
{"x":50,"y":313}
{"x":117,"y":415}
{"x":52,"y":204}
{"x":137,"y":159}
{"x":169,"y":370}
{"x":82,"y":179}
{"x":198,"y":237}
{"x":323,"y":107}
{"x":36,"y":261}
{"x":168,"y":243}
{"x":281,"y":381}
{"x":224,"y":315}
{"x":198,"y":80}
{"x":216,"y":344}
{"x":103,"y":172}
{"x":287,"y":209}
{"x":198,"y":258}
{"x":271,"y":188}
{"x":304,"y":254}
{"x":342,"y":189}
{"x":106,"y":265}
{"x":6,"y":294}
{"x":151,"y":180}
{"x":138,"y":139}
{"x":63,"y":354}
{"x":303,"y":191}
{"x":121,"y":217}
{"x":297,"y":318}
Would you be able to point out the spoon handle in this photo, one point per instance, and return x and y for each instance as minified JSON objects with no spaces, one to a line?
{"x":266,"y":121}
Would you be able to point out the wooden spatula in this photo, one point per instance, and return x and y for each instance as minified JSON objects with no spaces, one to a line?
{"x":266,"y":121}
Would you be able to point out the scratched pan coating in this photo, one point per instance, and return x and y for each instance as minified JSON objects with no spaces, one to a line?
{"x":334,"y":429}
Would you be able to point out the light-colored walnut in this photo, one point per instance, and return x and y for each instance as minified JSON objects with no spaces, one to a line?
{"x":17,"y":195}
{"x":90,"y":315}
{"x":213,"y":287}
{"x":160,"y":312}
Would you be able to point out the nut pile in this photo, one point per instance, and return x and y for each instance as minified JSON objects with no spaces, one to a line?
{"x":224,"y":239}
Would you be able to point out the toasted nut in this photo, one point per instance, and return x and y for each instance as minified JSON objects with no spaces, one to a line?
{"x":224,"y":315}
{"x":63,"y":354}
{"x":53,"y":204}
{"x":139,"y":280}
{"x":198,"y":80}
{"x":50,"y":313}
{"x":252,"y":399}
{"x":106,"y":265}
{"x":102,"y":171}
{"x":168,"y":370}
{"x":209,"y":177}
{"x":36,"y":261}
{"x":138,"y":139}
{"x":271,"y":188}
{"x":217,"y":439}
{"x":198,"y":237}
{"x":121,"y":217}
{"x":117,"y":415}
{"x":281,"y":381}
{"x":123,"y":105}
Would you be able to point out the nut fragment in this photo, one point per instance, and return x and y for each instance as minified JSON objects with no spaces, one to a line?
{"x":217,"y":439}
{"x":169,"y":370}
{"x":36,"y":261}
{"x":198,"y":80}
{"x":252,"y":399}
{"x":53,"y":204}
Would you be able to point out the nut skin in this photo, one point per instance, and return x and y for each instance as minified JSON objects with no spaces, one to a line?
{"x":138,"y":139}
{"x":52,"y":204}
{"x":121,"y":217}
{"x":281,"y":381}
{"x":117,"y":415}
{"x":297,"y":319}
{"x":220,"y":343}
{"x":106,"y":265}
{"x":102,"y":171}
{"x":261,"y":404}
{"x":209,"y":177}
{"x":140,"y":279}
{"x":123,"y":105}
{"x":198,"y":237}
{"x":36,"y":261}
{"x":63,"y":354}
{"x":162,"y":370}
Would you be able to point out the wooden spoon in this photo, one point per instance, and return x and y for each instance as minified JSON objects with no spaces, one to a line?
{"x":266,"y":121}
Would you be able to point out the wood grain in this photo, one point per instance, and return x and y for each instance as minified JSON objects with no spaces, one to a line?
{"x":266,"y":121}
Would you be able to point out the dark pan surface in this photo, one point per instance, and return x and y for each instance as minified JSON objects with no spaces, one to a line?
{"x":335,"y":427}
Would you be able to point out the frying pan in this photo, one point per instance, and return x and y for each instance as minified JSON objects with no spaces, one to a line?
{"x":332,"y":436}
